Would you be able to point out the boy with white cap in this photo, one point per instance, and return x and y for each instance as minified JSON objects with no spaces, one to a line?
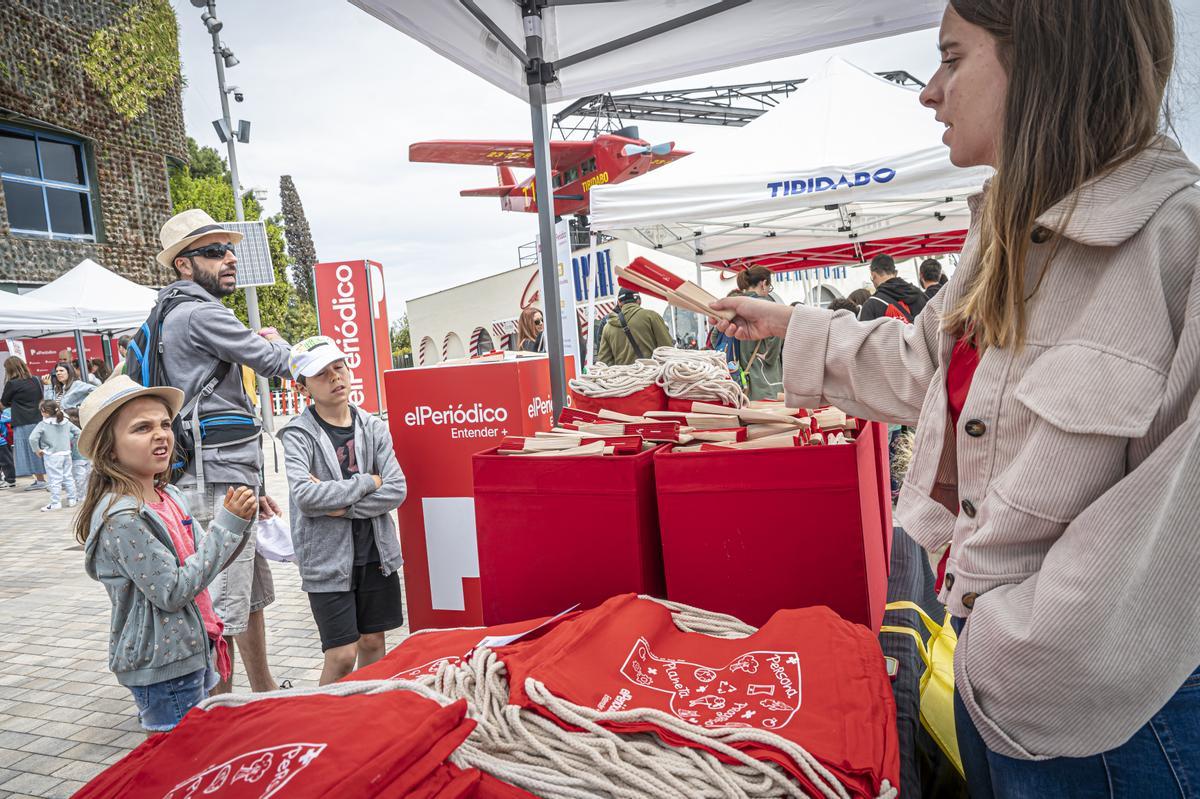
{"x":344,"y":484}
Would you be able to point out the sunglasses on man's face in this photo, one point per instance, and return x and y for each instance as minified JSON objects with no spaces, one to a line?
{"x":214,"y":251}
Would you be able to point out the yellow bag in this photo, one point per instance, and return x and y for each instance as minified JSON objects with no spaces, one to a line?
{"x":937,"y":683}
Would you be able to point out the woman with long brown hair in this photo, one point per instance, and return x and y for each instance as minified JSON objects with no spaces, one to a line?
{"x":23,"y":394}
{"x":1055,"y":379}
{"x":531,"y":328}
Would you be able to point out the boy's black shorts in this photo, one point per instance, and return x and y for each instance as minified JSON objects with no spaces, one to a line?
{"x":372,"y":605}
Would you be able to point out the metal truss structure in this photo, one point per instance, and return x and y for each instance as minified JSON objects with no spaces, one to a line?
{"x":732,"y":106}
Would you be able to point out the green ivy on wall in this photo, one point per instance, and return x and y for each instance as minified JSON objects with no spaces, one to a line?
{"x":136,"y":59}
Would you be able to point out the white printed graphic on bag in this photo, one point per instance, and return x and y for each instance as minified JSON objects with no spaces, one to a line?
{"x":426,"y":669}
{"x":757,"y":689}
{"x":271,"y":768}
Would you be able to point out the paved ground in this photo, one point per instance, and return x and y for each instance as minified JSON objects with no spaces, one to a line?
{"x":63,"y":717}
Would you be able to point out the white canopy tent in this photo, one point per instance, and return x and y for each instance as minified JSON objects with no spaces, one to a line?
{"x":87,"y":299}
{"x":849,"y":165}
{"x":96,"y":299}
{"x":569,"y":48}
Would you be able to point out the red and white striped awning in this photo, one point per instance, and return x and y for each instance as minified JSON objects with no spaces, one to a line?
{"x":503,"y":327}
{"x":603,"y":309}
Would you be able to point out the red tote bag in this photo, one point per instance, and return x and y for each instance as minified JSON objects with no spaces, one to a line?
{"x":300,"y":747}
{"x":807,"y":676}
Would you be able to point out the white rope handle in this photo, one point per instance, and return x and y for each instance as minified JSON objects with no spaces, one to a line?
{"x":603,"y":381}
{"x":698,"y":375}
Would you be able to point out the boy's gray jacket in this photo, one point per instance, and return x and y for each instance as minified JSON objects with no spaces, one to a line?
{"x":156,"y":632}
{"x":325,"y":544}
{"x":197,"y":337}
{"x":53,"y":436}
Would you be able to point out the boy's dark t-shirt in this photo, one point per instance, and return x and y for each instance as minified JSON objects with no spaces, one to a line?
{"x":365,"y":550}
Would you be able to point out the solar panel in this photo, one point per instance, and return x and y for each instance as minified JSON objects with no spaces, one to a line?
{"x":254,"y":266}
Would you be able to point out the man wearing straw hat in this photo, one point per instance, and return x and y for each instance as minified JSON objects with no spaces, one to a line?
{"x":204,"y":342}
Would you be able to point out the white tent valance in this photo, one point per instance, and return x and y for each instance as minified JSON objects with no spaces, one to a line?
{"x":849,"y":157}
{"x":601,"y":46}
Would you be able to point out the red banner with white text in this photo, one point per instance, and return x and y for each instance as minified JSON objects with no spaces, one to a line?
{"x":352,"y":310}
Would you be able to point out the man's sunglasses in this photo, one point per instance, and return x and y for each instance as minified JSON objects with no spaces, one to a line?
{"x":213,"y":251}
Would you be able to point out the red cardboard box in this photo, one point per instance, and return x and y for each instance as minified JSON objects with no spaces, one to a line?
{"x":650,"y":398}
{"x":556,"y":531}
{"x":750,"y":532}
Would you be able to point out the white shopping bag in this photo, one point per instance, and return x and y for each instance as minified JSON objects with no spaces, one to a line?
{"x":274,"y":540}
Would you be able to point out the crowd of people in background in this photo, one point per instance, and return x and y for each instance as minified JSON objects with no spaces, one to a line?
{"x":27,"y":405}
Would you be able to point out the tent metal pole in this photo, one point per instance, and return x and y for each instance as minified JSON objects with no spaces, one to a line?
{"x":702,"y":324}
{"x":83,"y":370}
{"x":106,"y":349}
{"x":252,"y":313}
{"x":544,"y":196}
{"x":593,"y":282}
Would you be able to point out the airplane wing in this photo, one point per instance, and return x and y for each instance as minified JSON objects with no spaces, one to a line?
{"x":490,"y":191}
{"x":663,"y":160}
{"x":497,"y":153}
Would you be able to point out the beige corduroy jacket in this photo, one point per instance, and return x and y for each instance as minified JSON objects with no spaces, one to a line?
{"x":1071,"y":489}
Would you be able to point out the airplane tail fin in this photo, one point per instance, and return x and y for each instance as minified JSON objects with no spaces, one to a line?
{"x":505,"y":176}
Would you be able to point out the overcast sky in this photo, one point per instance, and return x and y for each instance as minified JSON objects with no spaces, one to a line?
{"x":335,"y":98}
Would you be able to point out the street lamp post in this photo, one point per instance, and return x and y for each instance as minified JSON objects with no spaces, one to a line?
{"x":224,"y":57}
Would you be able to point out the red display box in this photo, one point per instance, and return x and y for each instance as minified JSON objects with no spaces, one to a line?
{"x":439,"y":417}
{"x":556,"y":531}
{"x":750,"y":532}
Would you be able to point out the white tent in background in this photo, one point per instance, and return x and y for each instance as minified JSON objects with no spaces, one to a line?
{"x":848,"y":166}
{"x":21,"y":315}
{"x":93,"y":299}
{"x":88,"y":299}
{"x":560,"y":49}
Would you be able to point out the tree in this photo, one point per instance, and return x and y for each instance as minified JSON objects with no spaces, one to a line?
{"x":299,"y":240}
{"x":401,"y":341}
{"x":209,"y":187}
{"x":205,"y":162}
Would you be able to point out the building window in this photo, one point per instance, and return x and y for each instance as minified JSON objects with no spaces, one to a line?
{"x":822,"y":296}
{"x":46,"y":188}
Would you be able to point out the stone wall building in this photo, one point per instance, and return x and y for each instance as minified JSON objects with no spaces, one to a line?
{"x":77,"y":179}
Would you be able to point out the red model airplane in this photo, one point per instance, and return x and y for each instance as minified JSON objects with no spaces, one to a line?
{"x":576,"y":166}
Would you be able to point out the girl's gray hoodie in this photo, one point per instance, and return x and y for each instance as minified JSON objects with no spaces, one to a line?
{"x":52,"y":436}
{"x":156,"y":632}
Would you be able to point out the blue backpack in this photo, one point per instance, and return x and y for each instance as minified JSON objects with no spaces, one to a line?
{"x":144,"y":364}
{"x":731,"y":349}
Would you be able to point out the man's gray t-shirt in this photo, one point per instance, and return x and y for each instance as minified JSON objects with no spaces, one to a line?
{"x":197,"y":337}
